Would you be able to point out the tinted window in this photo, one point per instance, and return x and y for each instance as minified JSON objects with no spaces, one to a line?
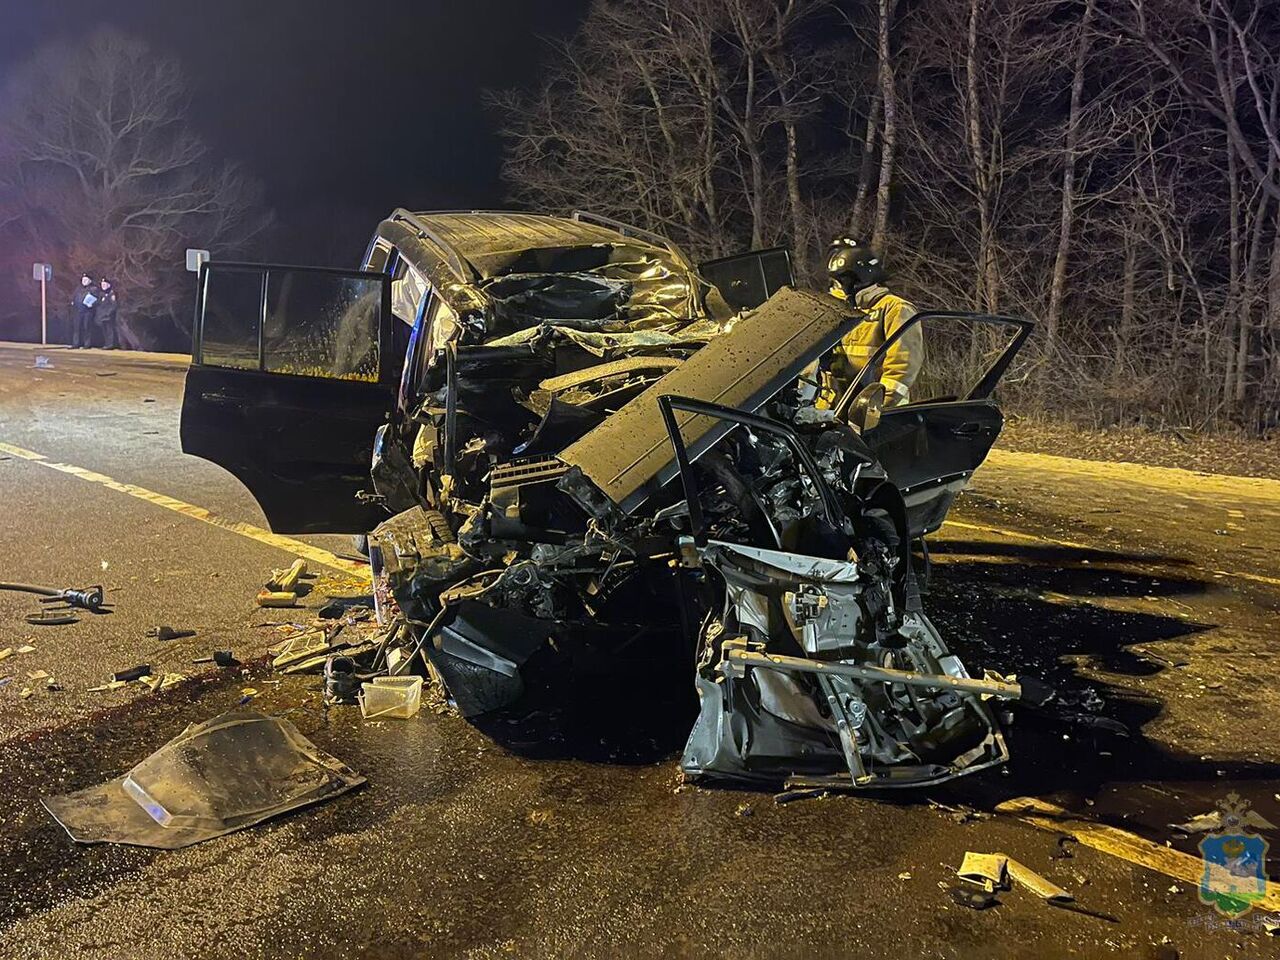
{"x":232,"y":308}
{"x":322,"y":325}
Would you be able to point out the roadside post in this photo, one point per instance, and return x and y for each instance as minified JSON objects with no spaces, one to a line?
{"x":44,"y":273}
{"x":195,"y":258}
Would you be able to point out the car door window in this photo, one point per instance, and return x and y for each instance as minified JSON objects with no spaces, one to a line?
{"x":408,"y":287}
{"x":231,"y":316}
{"x":300,"y":321}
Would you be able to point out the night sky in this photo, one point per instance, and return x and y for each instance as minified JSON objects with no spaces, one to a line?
{"x":343,"y":110}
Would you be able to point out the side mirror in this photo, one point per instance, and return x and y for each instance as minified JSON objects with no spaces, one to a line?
{"x":864,"y":412}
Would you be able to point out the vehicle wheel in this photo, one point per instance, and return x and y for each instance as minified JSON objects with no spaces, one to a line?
{"x":361,"y":542}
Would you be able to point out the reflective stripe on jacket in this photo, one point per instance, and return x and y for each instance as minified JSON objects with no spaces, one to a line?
{"x":901,"y":364}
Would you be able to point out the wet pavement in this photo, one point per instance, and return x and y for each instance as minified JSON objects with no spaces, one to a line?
{"x":1118,"y":587}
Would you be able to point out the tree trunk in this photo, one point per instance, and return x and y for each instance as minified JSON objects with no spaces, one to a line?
{"x":798,"y":245}
{"x":1233,"y":278}
{"x":985,"y":287}
{"x":1248,"y":295}
{"x":857,"y":219}
{"x":1058,"y":286}
{"x":888,"y":140}
{"x":1128,"y":284}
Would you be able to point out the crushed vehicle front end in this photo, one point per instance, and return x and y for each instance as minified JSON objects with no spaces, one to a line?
{"x":629,"y":526}
{"x":595,"y":476}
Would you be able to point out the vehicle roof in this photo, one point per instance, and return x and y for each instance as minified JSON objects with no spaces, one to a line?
{"x":476,"y":244}
{"x":481,"y":233}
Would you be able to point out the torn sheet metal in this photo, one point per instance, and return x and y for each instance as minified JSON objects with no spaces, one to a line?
{"x":214,"y":778}
{"x":630,"y":455}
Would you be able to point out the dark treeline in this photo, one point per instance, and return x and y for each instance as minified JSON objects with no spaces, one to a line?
{"x":100,"y":171}
{"x":1108,"y":167}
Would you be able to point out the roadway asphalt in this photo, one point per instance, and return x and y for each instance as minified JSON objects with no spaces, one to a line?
{"x":1151,"y":592}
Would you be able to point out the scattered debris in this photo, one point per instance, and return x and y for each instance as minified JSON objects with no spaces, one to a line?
{"x":50,"y":619}
{"x":391,"y":697}
{"x":268,"y":598}
{"x":37,"y":675}
{"x":133,"y":673}
{"x":222,"y":658}
{"x":973,"y":898}
{"x":1040,"y":886}
{"x":341,"y":682}
{"x":162,"y":682}
{"x":6,"y":653}
{"x":744,"y":810}
{"x":214,"y":778}
{"x":1150,"y":655}
{"x":905,"y":875}
{"x":111,"y":685}
{"x":1064,"y":852}
{"x":26,"y":693}
{"x":26,"y":648}
{"x":43,"y":362}
{"x":286,"y":581}
{"x":985,"y":869}
{"x":993,"y":871}
{"x":166,"y":632}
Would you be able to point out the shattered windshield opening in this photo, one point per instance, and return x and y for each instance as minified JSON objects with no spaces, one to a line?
{"x":600,"y":288}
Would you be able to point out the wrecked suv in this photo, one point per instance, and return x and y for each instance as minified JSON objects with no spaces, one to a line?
{"x":580,"y":456}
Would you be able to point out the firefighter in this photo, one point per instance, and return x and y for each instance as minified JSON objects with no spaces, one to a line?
{"x":857,"y":274}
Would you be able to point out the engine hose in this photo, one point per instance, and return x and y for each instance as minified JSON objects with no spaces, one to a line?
{"x":90,"y":598}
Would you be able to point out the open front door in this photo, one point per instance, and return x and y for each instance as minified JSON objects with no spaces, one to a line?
{"x":931,"y":447}
{"x":746,"y":280}
{"x":291,"y":377}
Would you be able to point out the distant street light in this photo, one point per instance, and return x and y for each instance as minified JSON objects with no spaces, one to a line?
{"x":44,"y":273}
{"x":195,"y":258}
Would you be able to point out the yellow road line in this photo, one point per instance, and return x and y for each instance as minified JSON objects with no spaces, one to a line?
{"x":1018,"y":535}
{"x":280,"y":542}
{"x":1120,"y":843}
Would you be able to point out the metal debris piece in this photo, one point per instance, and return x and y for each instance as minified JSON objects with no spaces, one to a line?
{"x":26,"y":693}
{"x":214,"y":778}
{"x":50,"y":619}
{"x":993,"y":871}
{"x":276,"y":598}
{"x":987,"y":870}
{"x":133,"y":673}
{"x":1042,"y":888}
{"x":6,"y":653}
{"x":223,"y":658}
{"x":974,"y":898}
{"x":166,"y":632}
{"x":111,"y":685}
{"x":26,"y":648}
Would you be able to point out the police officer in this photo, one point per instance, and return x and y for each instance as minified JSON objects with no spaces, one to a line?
{"x":857,"y":274}
{"x":83,"y":303}
{"x":106,"y":313}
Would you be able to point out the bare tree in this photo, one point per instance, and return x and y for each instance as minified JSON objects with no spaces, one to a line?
{"x":103,"y":173}
{"x":1110,"y":166}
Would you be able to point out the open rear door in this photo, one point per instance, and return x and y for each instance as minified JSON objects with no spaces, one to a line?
{"x":291,"y":377}
{"x":931,"y":448}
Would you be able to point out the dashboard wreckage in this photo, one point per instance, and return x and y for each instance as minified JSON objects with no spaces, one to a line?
{"x":578,"y":455}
